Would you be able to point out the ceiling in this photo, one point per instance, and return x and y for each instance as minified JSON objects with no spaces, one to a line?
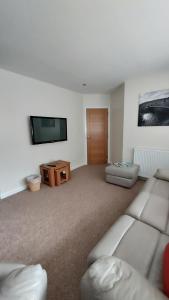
{"x":71,"y":42}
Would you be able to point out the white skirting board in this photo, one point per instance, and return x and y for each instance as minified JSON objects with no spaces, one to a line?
{"x":21,"y":188}
{"x":12,"y":192}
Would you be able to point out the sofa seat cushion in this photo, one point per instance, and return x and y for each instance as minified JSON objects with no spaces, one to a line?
{"x":129,"y":240}
{"x":152,"y":205}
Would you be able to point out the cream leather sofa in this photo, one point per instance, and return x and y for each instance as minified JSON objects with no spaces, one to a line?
{"x":137,"y":240}
{"x":20,"y":282}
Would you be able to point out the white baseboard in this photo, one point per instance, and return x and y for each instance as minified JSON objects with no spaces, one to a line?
{"x":73,"y":167}
{"x":12,"y":192}
{"x":23,"y":187}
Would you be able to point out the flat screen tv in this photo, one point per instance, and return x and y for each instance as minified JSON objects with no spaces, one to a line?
{"x":48,"y":130}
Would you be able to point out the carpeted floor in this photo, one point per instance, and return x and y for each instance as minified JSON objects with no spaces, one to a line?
{"x":57,"y":227}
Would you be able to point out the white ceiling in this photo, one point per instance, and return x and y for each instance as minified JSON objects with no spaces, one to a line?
{"x":68,"y":42}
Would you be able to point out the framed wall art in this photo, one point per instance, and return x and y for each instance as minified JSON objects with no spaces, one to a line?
{"x":154,"y":108}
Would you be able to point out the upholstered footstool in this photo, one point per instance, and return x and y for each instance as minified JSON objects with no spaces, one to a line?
{"x":124,"y":175}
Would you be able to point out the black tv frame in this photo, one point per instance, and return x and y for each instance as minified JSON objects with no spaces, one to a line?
{"x":45,"y":142}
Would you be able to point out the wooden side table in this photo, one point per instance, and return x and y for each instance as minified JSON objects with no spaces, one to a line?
{"x":48,"y":175}
{"x":56,"y":172}
{"x":61,"y":175}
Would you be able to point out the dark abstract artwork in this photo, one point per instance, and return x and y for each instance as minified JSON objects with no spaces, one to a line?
{"x":154,"y":109}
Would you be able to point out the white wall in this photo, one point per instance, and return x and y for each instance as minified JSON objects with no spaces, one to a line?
{"x":21,"y":97}
{"x":116,"y":124}
{"x":142,"y":136}
{"x":96,"y":101}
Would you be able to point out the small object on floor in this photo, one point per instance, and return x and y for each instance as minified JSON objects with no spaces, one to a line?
{"x":122,"y":164}
{"x":124,"y":176}
{"x":33,"y":182}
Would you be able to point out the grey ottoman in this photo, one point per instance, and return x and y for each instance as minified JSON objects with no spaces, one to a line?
{"x":124,"y":175}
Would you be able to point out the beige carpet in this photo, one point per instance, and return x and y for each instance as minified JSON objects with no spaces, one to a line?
{"x":57,"y":227}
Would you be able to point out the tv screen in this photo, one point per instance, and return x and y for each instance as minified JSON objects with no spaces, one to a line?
{"x":48,"y":130}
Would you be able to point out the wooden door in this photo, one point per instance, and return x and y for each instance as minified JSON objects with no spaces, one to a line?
{"x":97,"y":135}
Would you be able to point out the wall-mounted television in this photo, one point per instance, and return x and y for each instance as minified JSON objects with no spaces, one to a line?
{"x":48,"y":130}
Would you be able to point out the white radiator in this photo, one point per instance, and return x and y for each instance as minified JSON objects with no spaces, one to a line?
{"x":150,"y":159}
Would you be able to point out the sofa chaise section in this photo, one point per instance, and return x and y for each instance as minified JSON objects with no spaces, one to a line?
{"x":137,"y":239}
{"x":135,"y":242}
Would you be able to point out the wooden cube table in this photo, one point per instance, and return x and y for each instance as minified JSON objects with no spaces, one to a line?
{"x":55,"y":173}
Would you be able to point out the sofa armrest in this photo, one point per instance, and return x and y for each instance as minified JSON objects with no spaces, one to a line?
{"x":6,"y":268}
{"x":25,"y":281}
{"x":111,"y":239}
{"x":110,"y":278}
